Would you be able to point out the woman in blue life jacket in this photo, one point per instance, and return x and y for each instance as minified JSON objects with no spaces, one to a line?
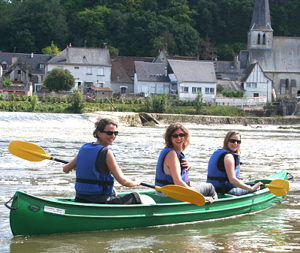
{"x":172,"y":166}
{"x":224,"y":168}
{"x":96,"y":170}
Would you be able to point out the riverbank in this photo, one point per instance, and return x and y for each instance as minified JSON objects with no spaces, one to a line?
{"x":138,"y":119}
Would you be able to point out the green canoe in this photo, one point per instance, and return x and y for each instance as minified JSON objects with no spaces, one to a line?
{"x":31,"y":215}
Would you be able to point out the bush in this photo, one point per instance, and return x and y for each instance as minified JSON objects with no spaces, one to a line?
{"x":33,"y":102}
{"x":77,"y":104}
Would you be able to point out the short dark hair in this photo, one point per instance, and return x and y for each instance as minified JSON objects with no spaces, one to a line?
{"x":101,"y":124}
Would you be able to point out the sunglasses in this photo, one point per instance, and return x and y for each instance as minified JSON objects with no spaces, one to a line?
{"x":235,"y":141}
{"x":110,"y":132}
{"x":176,"y":135}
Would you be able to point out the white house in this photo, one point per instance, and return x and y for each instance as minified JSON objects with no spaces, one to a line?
{"x":191,"y":77}
{"x":256,"y":83}
{"x":91,"y":67}
{"x":151,"y":78}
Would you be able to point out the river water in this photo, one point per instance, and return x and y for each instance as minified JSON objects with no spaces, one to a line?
{"x":265,"y":150}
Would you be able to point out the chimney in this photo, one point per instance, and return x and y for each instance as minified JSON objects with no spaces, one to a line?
{"x":237,"y":62}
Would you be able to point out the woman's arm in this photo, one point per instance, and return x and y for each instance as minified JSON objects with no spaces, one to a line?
{"x":118,"y":173}
{"x":172,"y":161}
{"x":70,"y":166}
{"x":229,"y":164}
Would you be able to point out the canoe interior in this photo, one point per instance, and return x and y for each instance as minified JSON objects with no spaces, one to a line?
{"x":38,"y":216}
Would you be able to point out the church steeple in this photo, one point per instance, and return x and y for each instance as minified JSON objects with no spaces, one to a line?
{"x":260,"y":35}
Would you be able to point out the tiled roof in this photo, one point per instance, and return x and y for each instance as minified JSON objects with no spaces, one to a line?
{"x":122,"y":69}
{"x":82,"y":56}
{"x":193,"y":71}
{"x":152,"y":72}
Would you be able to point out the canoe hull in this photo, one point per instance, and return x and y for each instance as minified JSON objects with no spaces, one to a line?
{"x":31,"y":215}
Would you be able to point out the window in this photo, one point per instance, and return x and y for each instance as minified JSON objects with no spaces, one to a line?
{"x":89,"y":71}
{"x":206,"y":90}
{"x":76,"y":67}
{"x":264,"y":39}
{"x":258,"y":39}
{"x":123,"y":90}
{"x":248,"y":85}
{"x":42,"y":66}
{"x":195,"y":90}
{"x":256,"y":95}
{"x":211,"y":90}
{"x":100,"y":72}
{"x":184,"y":89}
{"x":4,"y":65}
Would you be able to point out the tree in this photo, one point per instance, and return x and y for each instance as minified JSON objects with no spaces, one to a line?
{"x":52,"y":49}
{"x":58,"y":79}
{"x":77,"y":104}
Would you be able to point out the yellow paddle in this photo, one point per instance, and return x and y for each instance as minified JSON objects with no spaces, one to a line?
{"x":35,"y":153}
{"x":30,"y":152}
{"x":180,"y":193}
{"x":279,"y":187}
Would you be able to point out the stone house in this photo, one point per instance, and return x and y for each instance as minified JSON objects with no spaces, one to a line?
{"x":255,"y":83}
{"x":151,"y":78}
{"x":91,"y":67}
{"x":25,"y":68}
{"x":190,"y":77}
{"x":122,"y":73}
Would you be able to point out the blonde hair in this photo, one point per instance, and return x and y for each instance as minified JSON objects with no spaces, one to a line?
{"x":226,"y":140}
{"x":171,"y":129}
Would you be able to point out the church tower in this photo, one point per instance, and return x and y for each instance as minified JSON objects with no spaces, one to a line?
{"x":260,"y":35}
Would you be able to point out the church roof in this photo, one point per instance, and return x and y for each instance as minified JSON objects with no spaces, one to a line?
{"x":261,"y":15}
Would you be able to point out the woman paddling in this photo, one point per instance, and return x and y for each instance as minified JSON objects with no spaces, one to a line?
{"x":224,"y":168}
{"x":172,"y":166}
{"x":97,"y":169}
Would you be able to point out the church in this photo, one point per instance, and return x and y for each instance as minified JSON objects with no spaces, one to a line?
{"x":277,"y":56}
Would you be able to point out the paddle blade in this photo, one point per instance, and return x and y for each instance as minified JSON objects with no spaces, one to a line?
{"x":182,"y":193}
{"x":279,"y":187}
{"x":28,"y":151}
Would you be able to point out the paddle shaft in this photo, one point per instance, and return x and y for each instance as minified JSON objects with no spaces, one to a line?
{"x":59,"y":160}
{"x":148,"y":185}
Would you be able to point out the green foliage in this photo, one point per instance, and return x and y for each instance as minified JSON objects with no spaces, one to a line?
{"x":77,"y":103}
{"x":198,"y":102}
{"x":220,"y":88}
{"x":233,"y":93}
{"x":58,"y":79}
{"x":157,"y":103}
{"x":33,"y":102}
{"x":141,"y":27}
{"x":7,"y":81}
{"x":51,"y":50}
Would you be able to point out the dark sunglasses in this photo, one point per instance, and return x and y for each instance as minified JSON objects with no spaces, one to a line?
{"x":176,"y":135}
{"x":110,"y":132}
{"x":235,"y":141}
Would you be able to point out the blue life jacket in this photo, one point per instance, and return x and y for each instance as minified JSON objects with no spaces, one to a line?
{"x":161,"y":178}
{"x":89,"y":180}
{"x":218,"y":176}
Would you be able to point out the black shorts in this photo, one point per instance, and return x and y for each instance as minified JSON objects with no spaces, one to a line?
{"x":131,"y":198}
